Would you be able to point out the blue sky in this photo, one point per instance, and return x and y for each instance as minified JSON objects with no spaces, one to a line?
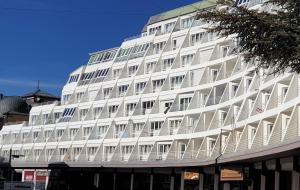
{"x":47,"y":39}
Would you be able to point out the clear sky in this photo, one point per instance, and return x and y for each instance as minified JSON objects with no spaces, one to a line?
{"x":47,"y":39}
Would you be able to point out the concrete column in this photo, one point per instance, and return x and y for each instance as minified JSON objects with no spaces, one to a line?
{"x":172,"y":182}
{"x":277,"y":180}
{"x":216,"y":182}
{"x":262,"y":182}
{"x":182,"y":181}
{"x":131,"y":181}
{"x":226,"y":186}
{"x":295,"y":180}
{"x":115,"y":178}
{"x":250,"y":187}
{"x":201,"y":181}
{"x":151,"y":181}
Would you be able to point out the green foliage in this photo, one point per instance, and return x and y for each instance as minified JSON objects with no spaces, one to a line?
{"x":271,"y":36}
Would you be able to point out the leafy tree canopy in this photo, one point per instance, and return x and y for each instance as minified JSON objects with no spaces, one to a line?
{"x":270,"y":35}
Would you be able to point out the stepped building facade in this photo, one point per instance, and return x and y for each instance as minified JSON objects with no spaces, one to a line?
{"x":172,"y":108}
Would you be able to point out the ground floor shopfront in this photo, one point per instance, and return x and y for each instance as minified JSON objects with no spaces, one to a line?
{"x":272,"y":174}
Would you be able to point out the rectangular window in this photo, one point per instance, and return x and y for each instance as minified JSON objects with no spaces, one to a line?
{"x":167,"y":63}
{"x":83,"y":113}
{"x":137,"y":129}
{"x":97,"y":111}
{"x":112,"y":110}
{"x":122,"y":90}
{"x":187,"y":22}
{"x":130,"y":108}
{"x":119,"y":130}
{"x":196,"y":38}
{"x":158,"y":47}
{"x":79,"y":96}
{"x":101,"y":131}
{"x":147,"y":106}
{"x":184,"y":103}
{"x":106,"y":92}
{"x":176,"y":82}
{"x":157,"y":84}
{"x":149,"y":67}
{"x":116,"y":73}
{"x":155,"y":127}
{"x":187,"y":60}
{"x":139,"y":87}
{"x":132,"y":70}
{"x":73,"y":78}
{"x":169,"y":27}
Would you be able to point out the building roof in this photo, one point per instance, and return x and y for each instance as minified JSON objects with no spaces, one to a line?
{"x":13,"y":104}
{"x":181,"y":11}
{"x":40,"y":93}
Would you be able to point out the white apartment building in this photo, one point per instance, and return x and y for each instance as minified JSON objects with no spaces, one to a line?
{"x":176,"y":96}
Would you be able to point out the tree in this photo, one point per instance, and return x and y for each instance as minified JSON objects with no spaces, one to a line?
{"x":271,"y":36}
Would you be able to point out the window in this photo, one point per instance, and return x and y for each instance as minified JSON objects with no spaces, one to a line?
{"x":126,"y":149}
{"x":116,"y":73}
{"x":92,"y":151}
{"x":72,"y":133}
{"x":155,"y":127}
{"x":86,"y":132}
{"x":83,"y":113}
{"x":124,"y":53}
{"x":86,"y":77}
{"x":157,"y":84}
{"x":139,"y":87}
{"x":184,"y":103}
{"x":145,"y":149}
{"x":66,"y":97}
{"x":132,"y":70}
{"x":139,"y":51}
{"x":35,"y":135}
{"x":196,"y":38}
{"x":67,"y":114}
{"x":97,"y":111}
{"x":154,"y":29}
{"x":100,"y":75}
{"x":122,"y":90}
{"x":79,"y":96}
{"x":158,"y":47}
{"x":167,"y":63}
{"x":162,"y":150}
{"x":169,"y":27}
{"x":106,"y":92}
{"x":224,"y":51}
{"x":101,"y":131}
{"x":59,"y":133}
{"x":45,"y":118}
{"x":47,"y":134}
{"x":176,"y":81}
{"x":137,"y":129}
{"x":119,"y":129}
{"x":147,"y":106}
{"x":211,"y":145}
{"x":187,"y":22}
{"x":187,"y":60}
{"x":57,"y":116}
{"x":130,"y":108}
{"x":214,"y":74}
{"x":112,"y":110}
{"x":73,"y":78}
{"x":34,"y":119}
{"x":102,"y":57}
{"x":174,"y":125}
{"x":174,"y":44}
{"x":110,"y":149}
{"x":149,"y":67}
{"x":166,"y":105}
